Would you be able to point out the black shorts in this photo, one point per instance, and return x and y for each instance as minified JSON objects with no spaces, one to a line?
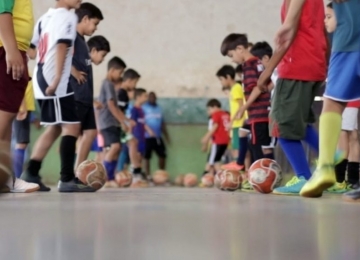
{"x":111,"y":135}
{"x":260,"y":134}
{"x":86,"y":115}
{"x":154,"y":144}
{"x":56,"y":111}
{"x":22,"y":130}
{"x":216,"y":153}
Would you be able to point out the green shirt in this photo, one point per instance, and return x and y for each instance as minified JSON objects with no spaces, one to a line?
{"x":6,"y":6}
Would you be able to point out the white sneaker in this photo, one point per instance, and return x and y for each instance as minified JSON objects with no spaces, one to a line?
{"x":21,"y":186}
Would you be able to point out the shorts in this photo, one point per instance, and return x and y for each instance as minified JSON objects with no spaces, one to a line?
{"x":57,"y":110}
{"x":350,"y":119}
{"x":22,"y":130}
{"x":343,"y":82}
{"x":12,"y":91}
{"x":154,"y":144}
{"x":259,"y":135}
{"x":217,"y":152}
{"x":235,"y":138}
{"x":111,"y":135}
{"x":291,"y":108}
{"x":86,"y":115}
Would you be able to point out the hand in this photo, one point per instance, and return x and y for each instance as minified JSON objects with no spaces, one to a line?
{"x":15,"y":64}
{"x":204,"y":148}
{"x":98,"y":105}
{"x":151,"y":133}
{"x":125,"y":128}
{"x":50,"y":90}
{"x":21,"y":115}
{"x":80,"y":76}
{"x":285,"y":36}
{"x":264,"y":80}
{"x":204,"y":141}
{"x":240,"y":113}
{"x":132,"y":123}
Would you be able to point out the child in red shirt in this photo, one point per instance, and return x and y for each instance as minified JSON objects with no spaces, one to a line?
{"x":218,"y":133}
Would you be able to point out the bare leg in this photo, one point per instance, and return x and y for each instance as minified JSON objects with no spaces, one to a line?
{"x":354,"y":147}
{"x":45,"y":142}
{"x":135,"y":159}
{"x":84,"y":146}
{"x":162,"y":163}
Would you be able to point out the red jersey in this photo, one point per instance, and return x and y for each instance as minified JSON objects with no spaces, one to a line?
{"x":259,"y":109}
{"x":355,"y":104}
{"x":306,"y":58}
{"x":221,"y":135}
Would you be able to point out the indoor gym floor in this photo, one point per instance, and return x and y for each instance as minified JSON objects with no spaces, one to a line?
{"x":177,"y":224}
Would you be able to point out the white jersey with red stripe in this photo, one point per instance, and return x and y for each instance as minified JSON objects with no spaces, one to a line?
{"x":54,"y":27}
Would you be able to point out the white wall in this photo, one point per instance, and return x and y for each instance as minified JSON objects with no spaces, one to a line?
{"x":175,"y":44}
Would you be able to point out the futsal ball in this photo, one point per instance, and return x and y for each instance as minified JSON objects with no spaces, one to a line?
{"x":208,"y":180}
{"x":190,"y":180}
{"x":123,"y":179}
{"x":160,"y":177}
{"x":5,"y":167}
{"x":228,"y":180}
{"x":265,"y":175}
{"x":179,"y":180}
{"x":92,"y":174}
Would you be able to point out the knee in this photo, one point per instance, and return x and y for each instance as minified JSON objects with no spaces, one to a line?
{"x":116,"y":147}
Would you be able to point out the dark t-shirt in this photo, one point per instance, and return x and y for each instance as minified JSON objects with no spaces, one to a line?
{"x":84,"y":93}
{"x":123,"y":100}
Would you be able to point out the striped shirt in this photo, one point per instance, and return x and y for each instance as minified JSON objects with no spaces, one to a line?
{"x":258,"y":110}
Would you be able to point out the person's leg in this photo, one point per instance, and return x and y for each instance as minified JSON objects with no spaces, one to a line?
{"x":86,"y":141}
{"x":235,"y":142}
{"x":134,"y":155}
{"x":354,"y":157}
{"x":147,"y":156}
{"x":112,"y":137}
{"x":160,"y":150}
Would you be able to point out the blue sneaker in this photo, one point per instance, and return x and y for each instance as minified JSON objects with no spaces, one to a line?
{"x":292,"y":187}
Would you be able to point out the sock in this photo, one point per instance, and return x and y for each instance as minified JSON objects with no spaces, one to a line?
{"x":353,"y":172}
{"x":312,"y":138}
{"x":257,"y":152}
{"x":18,"y":162}
{"x":340,"y":171}
{"x":243,"y":147}
{"x":295,"y":154}
{"x":269,"y":156}
{"x":34,"y":167}
{"x":110,"y":169}
{"x":330,"y":128}
{"x":67,"y":157}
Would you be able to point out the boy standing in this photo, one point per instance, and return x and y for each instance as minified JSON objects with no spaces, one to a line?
{"x":218,"y":133}
{"x":111,"y":118}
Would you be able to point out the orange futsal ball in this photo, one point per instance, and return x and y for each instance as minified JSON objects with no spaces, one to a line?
{"x":160,"y":177}
{"x":92,"y":174}
{"x":190,"y":180}
{"x":227,"y":180}
{"x":208,"y":180}
{"x":123,"y":179}
{"x":265,"y":175}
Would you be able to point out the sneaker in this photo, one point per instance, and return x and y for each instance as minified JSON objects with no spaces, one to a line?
{"x":352,"y":196}
{"x":338,"y":188}
{"x":233,"y":166}
{"x":351,"y":186}
{"x":246,"y":186}
{"x":322,"y":179}
{"x":111,"y":185}
{"x":139,"y":182}
{"x":21,"y":186}
{"x":292,"y":187}
{"x":74,"y":185}
{"x":35,"y":179}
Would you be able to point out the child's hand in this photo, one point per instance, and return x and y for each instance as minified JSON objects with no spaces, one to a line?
{"x":204,"y":141}
{"x":240,"y":113}
{"x":80,"y":76}
{"x":50,"y":90}
{"x":15,"y":63}
{"x":21,"y":115}
{"x":204,"y":148}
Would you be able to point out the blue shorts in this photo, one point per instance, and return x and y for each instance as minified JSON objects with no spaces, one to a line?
{"x":344,"y":77}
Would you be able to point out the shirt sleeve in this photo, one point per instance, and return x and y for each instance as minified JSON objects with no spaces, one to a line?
{"x":6,"y":6}
{"x":66,"y":32}
{"x":36,"y":35}
{"x":237,"y":92}
{"x":215,"y":118}
{"x":108,"y":91}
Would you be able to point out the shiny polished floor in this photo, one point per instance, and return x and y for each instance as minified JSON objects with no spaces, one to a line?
{"x":177,"y":224}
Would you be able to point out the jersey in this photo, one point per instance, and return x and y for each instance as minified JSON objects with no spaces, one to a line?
{"x":54,"y":27}
{"x":347,"y":34}
{"x":23,"y":20}
{"x":106,"y":118}
{"x":153,"y":119}
{"x":306,"y":58}
{"x":137,"y":115}
{"x":258,"y":111}
{"x":236,"y":94}
{"x":222,"y":120}
{"x":84,"y":93}
{"x":123,"y":100}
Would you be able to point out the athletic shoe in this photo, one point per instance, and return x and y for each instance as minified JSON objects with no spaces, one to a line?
{"x":338,"y":188}
{"x":21,"y":186}
{"x":139,"y":182}
{"x":353,"y":186}
{"x":292,"y":187}
{"x":322,"y":179}
{"x":246,"y":186}
{"x":352,"y":196}
{"x":74,"y":185}
{"x":233,"y":166}
{"x":35,"y":179}
{"x":111,"y":185}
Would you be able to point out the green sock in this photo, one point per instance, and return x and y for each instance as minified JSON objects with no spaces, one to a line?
{"x":329,"y":129}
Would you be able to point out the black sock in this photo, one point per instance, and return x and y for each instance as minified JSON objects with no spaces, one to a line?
{"x":269,"y":156}
{"x":67,"y":157}
{"x":34,"y":167}
{"x":353,"y":172}
{"x":340,"y":171}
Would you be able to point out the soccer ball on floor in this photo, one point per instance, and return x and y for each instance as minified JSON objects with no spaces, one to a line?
{"x":160,"y":177}
{"x":227,"y":180}
{"x":123,"y":179}
{"x":265,"y":175}
{"x":190,"y":180}
{"x":179,"y":180}
{"x":208,"y":180}
{"x":92,"y":173}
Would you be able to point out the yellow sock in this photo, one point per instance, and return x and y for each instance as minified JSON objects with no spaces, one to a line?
{"x":330,"y":128}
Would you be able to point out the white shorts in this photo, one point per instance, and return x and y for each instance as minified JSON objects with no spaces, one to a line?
{"x":350,"y":119}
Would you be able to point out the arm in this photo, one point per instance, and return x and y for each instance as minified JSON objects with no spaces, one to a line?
{"x":209,"y":134}
{"x":149,"y":131}
{"x":165,"y":132}
{"x":80,"y":76}
{"x":256,"y":92}
{"x":241,"y":103}
{"x":115,"y":111}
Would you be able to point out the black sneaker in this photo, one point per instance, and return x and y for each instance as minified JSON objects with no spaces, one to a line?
{"x":352,"y":196}
{"x":35,"y":179}
{"x":74,"y":185}
{"x":354,"y":186}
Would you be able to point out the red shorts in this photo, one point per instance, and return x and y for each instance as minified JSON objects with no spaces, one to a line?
{"x":11,"y":91}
